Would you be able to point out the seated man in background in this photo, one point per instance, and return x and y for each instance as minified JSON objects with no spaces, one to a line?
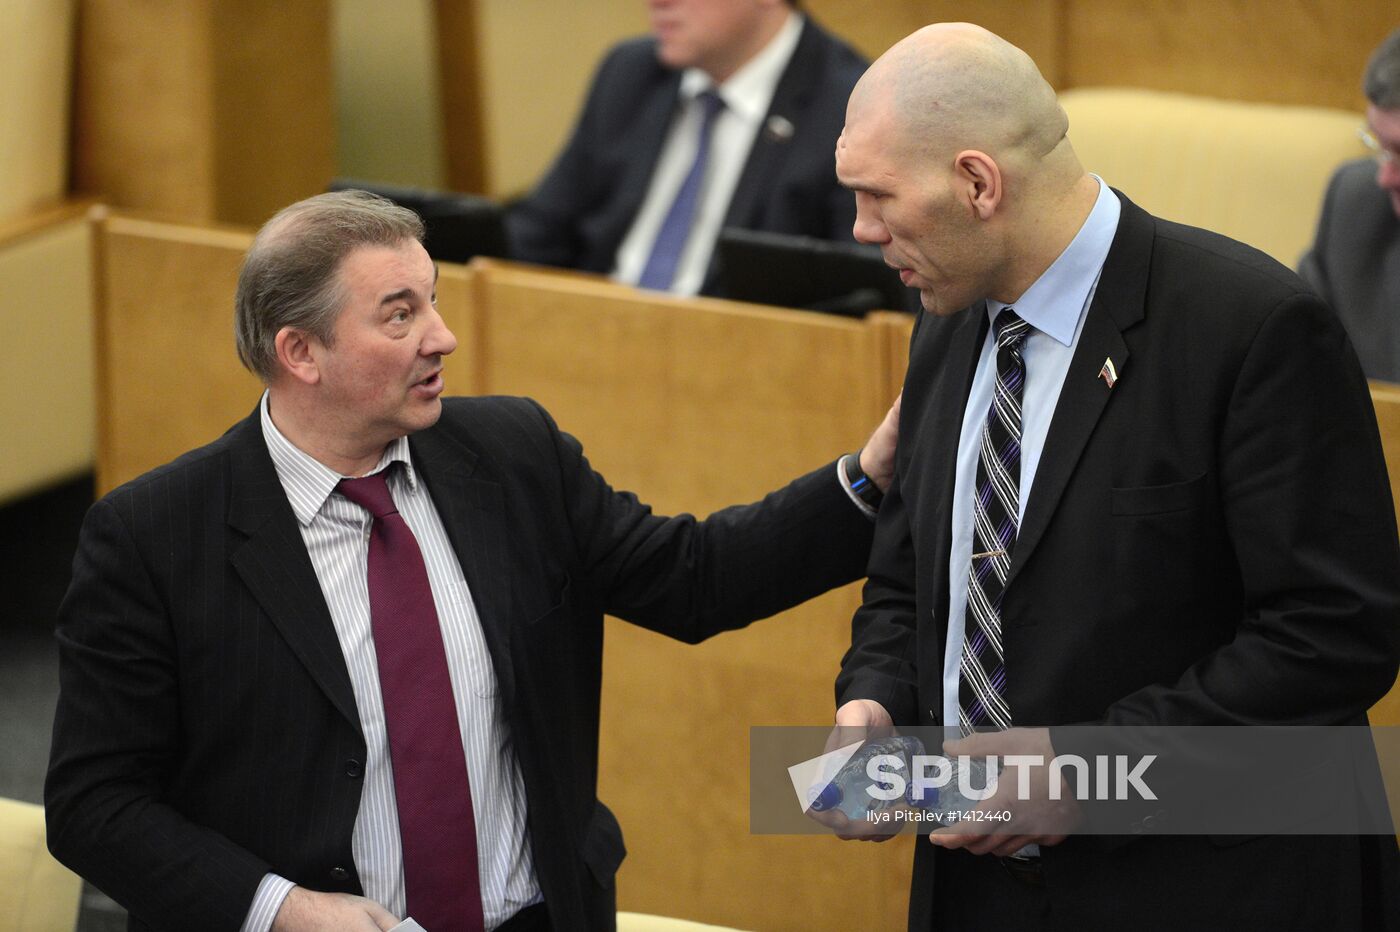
{"x":724,"y":117}
{"x":1355,"y":260}
{"x":344,"y":663}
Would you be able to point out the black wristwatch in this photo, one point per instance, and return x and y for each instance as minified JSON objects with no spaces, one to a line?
{"x":861,"y":484}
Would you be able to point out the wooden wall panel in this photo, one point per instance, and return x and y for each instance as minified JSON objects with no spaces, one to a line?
{"x":142,"y":107}
{"x":36,"y":67}
{"x":874,"y":26}
{"x":463,"y":108}
{"x":893,"y":333}
{"x":46,"y":380}
{"x":273,"y":122}
{"x":169,"y":378}
{"x":695,"y":405}
{"x":210,"y":110}
{"x":388,"y":92}
{"x":1291,"y":51}
{"x":536,"y":58}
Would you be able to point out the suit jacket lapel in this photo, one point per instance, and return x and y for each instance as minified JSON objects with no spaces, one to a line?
{"x":276,"y":568}
{"x":942,"y":420}
{"x":790,"y":100}
{"x":643,"y":148}
{"x":1118,"y":304}
{"x":473,"y":512}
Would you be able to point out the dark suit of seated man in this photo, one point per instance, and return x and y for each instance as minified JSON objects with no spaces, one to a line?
{"x":343,"y":663}
{"x":1355,"y":259}
{"x":604,"y":204}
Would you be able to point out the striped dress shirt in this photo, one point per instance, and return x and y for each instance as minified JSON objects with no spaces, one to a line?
{"x":336,"y":532}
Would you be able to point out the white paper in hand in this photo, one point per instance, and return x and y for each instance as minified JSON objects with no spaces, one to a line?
{"x":408,"y":925}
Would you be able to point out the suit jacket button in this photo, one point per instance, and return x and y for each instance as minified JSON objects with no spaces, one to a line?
{"x":353,"y":768}
{"x":339,"y":874}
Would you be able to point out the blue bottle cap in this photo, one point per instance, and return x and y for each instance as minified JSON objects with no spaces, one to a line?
{"x":828,"y":798}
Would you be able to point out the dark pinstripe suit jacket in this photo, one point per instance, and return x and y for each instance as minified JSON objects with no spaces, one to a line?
{"x":206,"y":726}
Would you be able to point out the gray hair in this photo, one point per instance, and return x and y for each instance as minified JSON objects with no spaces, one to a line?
{"x":290,"y":275}
{"x":1382,"y":81}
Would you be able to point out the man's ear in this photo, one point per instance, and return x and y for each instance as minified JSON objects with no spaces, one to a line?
{"x":980,"y":182}
{"x":297,"y":354}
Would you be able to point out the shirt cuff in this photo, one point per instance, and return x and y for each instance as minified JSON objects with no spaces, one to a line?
{"x":268,"y":900}
{"x":850,"y":493}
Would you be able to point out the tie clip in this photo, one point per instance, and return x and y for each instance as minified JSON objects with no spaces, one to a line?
{"x":989,"y":553}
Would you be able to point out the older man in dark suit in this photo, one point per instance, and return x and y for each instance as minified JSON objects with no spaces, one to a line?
{"x":1168,"y":506}
{"x":1355,"y":260}
{"x":724,"y":117}
{"x":343,"y":663}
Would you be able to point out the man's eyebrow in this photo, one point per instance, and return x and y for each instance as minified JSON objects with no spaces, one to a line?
{"x":404,"y":294}
{"x":858,"y":187}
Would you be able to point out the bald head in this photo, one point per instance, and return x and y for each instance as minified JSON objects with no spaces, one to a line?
{"x":956,"y":86}
{"x":956,"y":149}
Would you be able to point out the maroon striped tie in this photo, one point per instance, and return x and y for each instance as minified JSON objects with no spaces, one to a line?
{"x":436,"y":822}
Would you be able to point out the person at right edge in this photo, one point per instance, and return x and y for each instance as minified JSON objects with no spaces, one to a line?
{"x":1354,"y":263}
{"x":1168,"y":506}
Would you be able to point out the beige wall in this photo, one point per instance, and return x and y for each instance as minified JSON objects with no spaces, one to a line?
{"x":46,"y":381}
{"x":203,"y":110}
{"x":537,"y":57}
{"x":387,"y":98}
{"x":36,"y":66}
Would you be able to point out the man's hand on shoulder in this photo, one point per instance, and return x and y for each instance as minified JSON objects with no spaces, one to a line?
{"x":310,"y":911}
{"x":877,"y":456}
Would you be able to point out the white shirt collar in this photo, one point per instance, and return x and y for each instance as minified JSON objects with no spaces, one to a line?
{"x":1058,"y":299}
{"x":307,"y":481}
{"x":749,"y":91}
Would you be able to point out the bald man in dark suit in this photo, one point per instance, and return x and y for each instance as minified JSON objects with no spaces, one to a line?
{"x":1168,"y":506}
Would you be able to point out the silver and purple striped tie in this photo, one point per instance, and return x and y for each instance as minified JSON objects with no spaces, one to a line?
{"x":995,"y":521}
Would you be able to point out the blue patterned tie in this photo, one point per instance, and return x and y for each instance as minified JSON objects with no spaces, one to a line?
{"x":995,"y":521}
{"x":666,"y":252}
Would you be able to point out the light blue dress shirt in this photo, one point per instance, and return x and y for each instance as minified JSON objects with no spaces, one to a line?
{"x":1055,"y":306}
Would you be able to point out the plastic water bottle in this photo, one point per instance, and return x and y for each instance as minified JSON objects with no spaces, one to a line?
{"x":849,"y":789}
{"x":938,"y":802}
